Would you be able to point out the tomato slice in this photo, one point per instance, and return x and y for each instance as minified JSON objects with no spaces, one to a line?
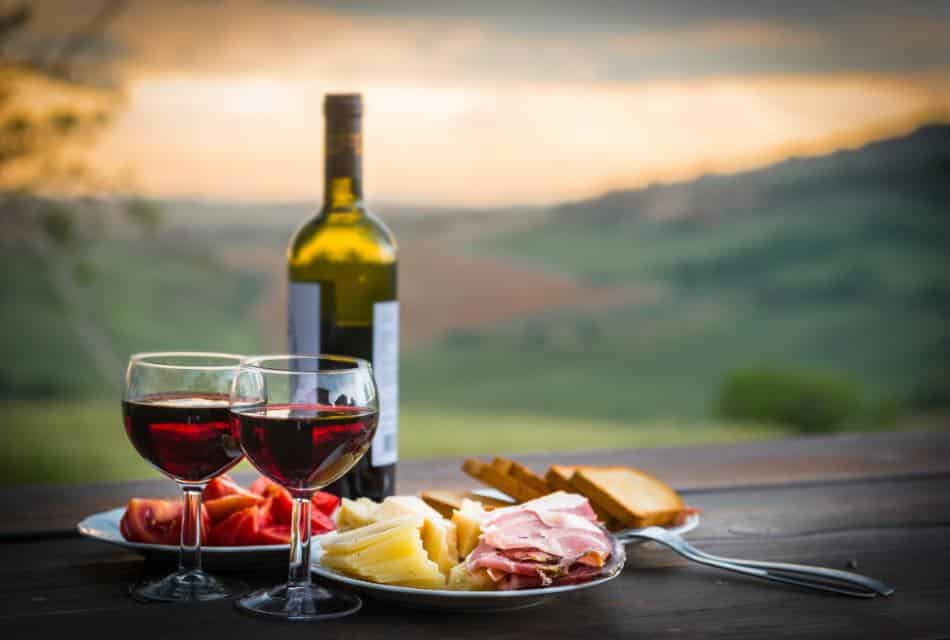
{"x":262,"y":486}
{"x":155,"y":521}
{"x":238,"y":529}
{"x":274,"y":534}
{"x":280,"y":533}
{"x":152,"y":521}
{"x":325,"y":502}
{"x":221,"y":508}
{"x":124,"y":525}
{"x":320,"y":522}
{"x":278,"y":508}
{"x":223,"y":485}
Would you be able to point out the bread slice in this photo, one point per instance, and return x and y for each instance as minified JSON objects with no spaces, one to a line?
{"x":489,"y":474}
{"x":633,"y":497}
{"x":559,"y":477}
{"x":529,"y":477}
{"x":501,"y":465}
{"x":446,"y":501}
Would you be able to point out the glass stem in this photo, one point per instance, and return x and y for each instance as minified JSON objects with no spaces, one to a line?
{"x":300,"y":543}
{"x":190,"y":556}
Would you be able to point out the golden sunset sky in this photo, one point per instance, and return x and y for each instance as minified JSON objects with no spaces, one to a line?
{"x":495,"y":103}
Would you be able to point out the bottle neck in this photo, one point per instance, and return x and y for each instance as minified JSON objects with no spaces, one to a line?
{"x":343,"y":162}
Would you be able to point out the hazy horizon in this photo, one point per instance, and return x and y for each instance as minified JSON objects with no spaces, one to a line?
{"x":428,"y":208}
{"x":492,"y":104}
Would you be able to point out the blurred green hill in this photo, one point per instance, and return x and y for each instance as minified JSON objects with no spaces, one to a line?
{"x":836,"y":264}
{"x":146,"y":293}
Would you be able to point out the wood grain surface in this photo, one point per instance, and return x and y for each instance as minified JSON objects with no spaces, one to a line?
{"x":880,"y":503}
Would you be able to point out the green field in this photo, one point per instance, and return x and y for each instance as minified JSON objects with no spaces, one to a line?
{"x":71,"y":441}
{"x":835,"y":264}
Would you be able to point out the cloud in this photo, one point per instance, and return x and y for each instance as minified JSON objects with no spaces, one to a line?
{"x":468,"y":104}
{"x":447,"y":45}
{"x":522,"y":144}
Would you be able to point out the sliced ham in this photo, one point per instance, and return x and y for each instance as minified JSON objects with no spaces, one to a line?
{"x":541,"y":542}
{"x":565,"y":534}
{"x":487,"y":557}
{"x":557,"y":502}
{"x":529,"y":555}
{"x":576,"y":575}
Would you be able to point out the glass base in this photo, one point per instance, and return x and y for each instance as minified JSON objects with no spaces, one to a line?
{"x":300,"y":604}
{"x":187,"y":586}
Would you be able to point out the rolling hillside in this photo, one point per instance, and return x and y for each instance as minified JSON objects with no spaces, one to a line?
{"x":598,"y":323}
{"x":838,"y":263}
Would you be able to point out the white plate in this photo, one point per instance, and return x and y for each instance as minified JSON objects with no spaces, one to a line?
{"x":446,"y":600}
{"x":104,"y":526}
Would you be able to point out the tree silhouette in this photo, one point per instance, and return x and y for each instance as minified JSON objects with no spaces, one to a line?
{"x":53,"y":204}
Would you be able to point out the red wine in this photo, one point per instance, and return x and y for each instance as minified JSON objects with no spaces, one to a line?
{"x":187,"y":436}
{"x":304,"y":446}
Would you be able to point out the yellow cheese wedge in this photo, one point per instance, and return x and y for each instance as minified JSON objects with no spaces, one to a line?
{"x":357,"y":539}
{"x":467,"y":521}
{"x":460,"y":579}
{"x":440,"y":543}
{"x":356,"y":513}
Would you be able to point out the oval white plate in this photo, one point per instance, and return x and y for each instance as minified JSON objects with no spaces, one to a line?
{"x":446,"y":600}
{"x":104,"y":526}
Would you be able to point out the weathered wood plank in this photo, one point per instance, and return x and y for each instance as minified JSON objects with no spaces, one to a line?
{"x":897,"y":530}
{"x":56,"y":510}
{"x":658,"y":595}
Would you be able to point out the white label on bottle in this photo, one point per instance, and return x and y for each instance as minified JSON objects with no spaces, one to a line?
{"x":386,"y":370}
{"x":303,"y":318}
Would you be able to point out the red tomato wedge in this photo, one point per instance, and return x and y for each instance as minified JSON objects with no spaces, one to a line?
{"x":155,"y":521}
{"x":274,"y":534}
{"x":231,"y":515}
{"x":322,"y":501}
{"x":325,"y":502}
{"x":221,"y":508}
{"x":238,"y":529}
{"x":280,"y":533}
{"x":278,"y":508}
{"x":262,"y":486}
{"x":320,"y":522}
{"x":124,"y":525}
{"x":223,"y":486}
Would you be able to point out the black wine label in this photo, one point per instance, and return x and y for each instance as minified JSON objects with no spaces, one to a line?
{"x":338,"y":144}
{"x":344,"y":155}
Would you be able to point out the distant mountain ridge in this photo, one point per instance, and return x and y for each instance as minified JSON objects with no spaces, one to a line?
{"x":917,"y":162}
{"x":837,"y":263}
{"x":705,"y":197}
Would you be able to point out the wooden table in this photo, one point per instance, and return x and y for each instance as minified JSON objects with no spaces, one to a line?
{"x":878,"y":502}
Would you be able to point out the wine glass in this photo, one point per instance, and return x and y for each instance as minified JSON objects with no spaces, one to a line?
{"x":303,"y":421}
{"x":176,"y":414}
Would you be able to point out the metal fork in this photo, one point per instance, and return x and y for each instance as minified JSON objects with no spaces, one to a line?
{"x":823,"y":579}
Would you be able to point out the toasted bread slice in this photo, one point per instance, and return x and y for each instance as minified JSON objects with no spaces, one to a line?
{"x":528,"y":477}
{"x":633,"y":497}
{"x":446,"y":502}
{"x":558,"y":478}
{"x":502,"y":465}
{"x":489,"y":474}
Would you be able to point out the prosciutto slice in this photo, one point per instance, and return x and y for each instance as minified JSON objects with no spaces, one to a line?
{"x":541,"y":542}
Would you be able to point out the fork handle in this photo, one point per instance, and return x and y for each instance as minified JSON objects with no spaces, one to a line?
{"x":820,"y":578}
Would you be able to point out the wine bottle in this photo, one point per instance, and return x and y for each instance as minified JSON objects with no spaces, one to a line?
{"x":342,"y":290}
